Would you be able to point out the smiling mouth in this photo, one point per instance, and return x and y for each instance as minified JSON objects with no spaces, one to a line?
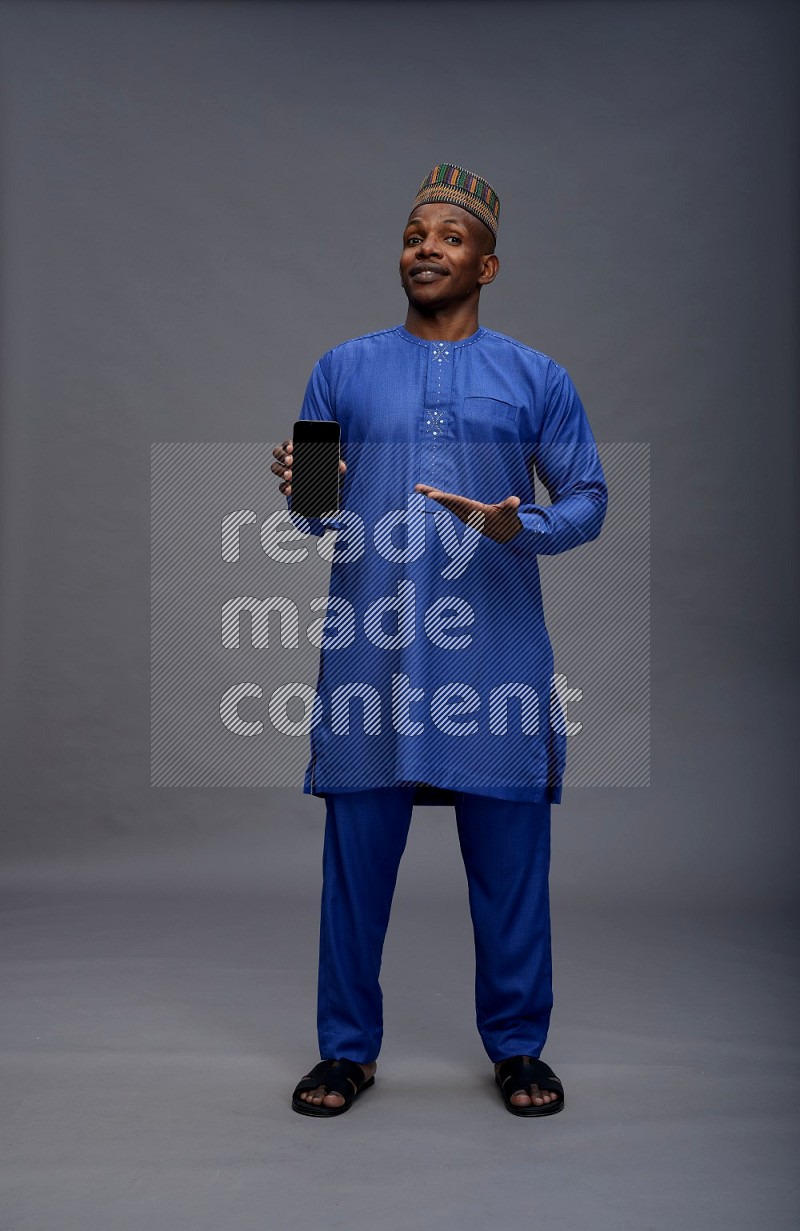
{"x":427,"y":275}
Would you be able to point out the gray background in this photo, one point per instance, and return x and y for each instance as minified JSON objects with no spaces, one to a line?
{"x":199,"y":199}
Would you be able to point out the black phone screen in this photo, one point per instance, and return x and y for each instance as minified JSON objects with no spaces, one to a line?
{"x":315,"y":468}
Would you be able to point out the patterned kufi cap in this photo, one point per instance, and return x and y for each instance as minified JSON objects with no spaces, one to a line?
{"x":447,"y":182}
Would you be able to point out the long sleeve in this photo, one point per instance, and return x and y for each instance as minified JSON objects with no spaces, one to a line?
{"x":568,"y":463}
{"x":317,"y":406}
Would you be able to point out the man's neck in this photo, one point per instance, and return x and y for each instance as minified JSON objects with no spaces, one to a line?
{"x":447,"y":326}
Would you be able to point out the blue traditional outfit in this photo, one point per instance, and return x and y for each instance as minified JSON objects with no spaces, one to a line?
{"x":470,"y":417}
{"x":436,"y":670}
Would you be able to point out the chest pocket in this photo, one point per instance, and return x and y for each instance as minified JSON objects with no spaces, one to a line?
{"x":489,"y":410}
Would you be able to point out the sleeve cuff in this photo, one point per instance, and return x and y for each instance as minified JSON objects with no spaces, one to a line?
{"x":533,"y":535}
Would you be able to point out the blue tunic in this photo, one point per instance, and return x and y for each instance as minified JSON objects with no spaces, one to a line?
{"x":436,"y":668}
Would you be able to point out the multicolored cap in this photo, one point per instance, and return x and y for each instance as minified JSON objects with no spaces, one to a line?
{"x":453,"y":184}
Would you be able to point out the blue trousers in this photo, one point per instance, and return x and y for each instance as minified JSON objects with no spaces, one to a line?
{"x":506,"y":851}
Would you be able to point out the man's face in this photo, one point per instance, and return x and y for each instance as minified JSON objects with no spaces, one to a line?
{"x":443,"y":260}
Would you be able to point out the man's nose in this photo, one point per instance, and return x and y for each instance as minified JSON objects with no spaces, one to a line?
{"x":429,"y":246}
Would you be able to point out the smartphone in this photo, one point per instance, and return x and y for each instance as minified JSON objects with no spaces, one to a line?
{"x":315,"y":467}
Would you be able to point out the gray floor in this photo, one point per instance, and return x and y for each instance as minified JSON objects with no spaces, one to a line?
{"x":154,"y":1024}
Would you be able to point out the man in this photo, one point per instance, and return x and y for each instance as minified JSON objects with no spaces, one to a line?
{"x":443,"y":424}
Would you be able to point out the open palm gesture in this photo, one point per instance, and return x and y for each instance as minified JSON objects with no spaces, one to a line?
{"x":499,"y":522}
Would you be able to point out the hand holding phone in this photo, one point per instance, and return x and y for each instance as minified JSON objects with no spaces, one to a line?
{"x":310,"y":468}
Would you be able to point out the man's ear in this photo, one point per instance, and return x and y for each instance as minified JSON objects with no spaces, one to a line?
{"x":491,"y":266}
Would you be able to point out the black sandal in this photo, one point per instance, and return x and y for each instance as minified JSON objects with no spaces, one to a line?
{"x":516,"y":1073}
{"x":339,"y":1077}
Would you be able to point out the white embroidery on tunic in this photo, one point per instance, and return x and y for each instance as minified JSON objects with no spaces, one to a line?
{"x":440,"y":353}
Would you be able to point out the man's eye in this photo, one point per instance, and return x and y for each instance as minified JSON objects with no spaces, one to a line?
{"x":457,"y":238}
{"x":411,"y":239}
